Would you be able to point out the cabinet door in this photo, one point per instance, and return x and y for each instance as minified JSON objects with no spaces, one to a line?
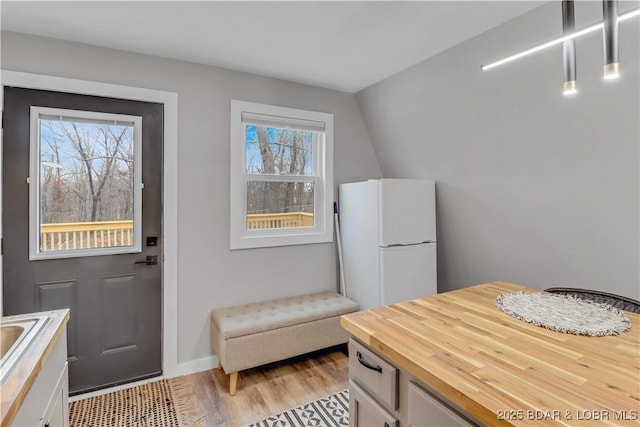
{"x":57,"y":413}
{"x":364,"y":411}
{"x":38,"y":402}
{"x":425,"y":410}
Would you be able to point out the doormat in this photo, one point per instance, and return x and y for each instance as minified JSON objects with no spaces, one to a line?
{"x":564,"y":313}
{"x":169,"y":403}
{"x":329,"y":411}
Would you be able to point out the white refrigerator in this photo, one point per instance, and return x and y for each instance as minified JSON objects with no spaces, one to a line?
{"x":388,"y":237}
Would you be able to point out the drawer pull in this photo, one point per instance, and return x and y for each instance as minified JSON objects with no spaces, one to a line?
{"x":367,"y":364}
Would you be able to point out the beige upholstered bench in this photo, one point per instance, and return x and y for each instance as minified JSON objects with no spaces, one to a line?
{"x":251,"y":335}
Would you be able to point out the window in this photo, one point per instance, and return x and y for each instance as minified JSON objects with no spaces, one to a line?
{"x":281,"y":176}
{"x":85,"y":183}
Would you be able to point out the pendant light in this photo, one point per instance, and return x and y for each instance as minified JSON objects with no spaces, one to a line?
{"x":559,"y":40}
{"x":610,"y":35}
{"x":569,"y":48}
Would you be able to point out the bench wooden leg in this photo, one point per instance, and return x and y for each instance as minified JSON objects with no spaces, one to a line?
{"x":220,"y":366}
{"x":233,"y":383}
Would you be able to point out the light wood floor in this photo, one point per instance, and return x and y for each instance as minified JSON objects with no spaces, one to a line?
{"x":270,"y":389}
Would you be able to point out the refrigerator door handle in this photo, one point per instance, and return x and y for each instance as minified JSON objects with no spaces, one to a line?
{"x":397,"y":245}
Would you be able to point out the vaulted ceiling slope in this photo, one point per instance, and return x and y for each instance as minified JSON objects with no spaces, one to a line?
{"x":340,"y":45}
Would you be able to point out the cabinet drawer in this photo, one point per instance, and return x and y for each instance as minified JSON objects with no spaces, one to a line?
{"x":364,"y":411}
{"x":426,"y":410}
{"x":374,"y":374}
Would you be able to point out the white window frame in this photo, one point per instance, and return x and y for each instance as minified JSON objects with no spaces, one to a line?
{"x":322,"y":230}
{"x":34,"y":188}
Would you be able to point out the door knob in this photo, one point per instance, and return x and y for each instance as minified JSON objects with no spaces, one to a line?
{"x":150,"y":260}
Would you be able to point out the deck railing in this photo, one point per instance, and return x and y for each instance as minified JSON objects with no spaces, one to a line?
{"x":106,"y":234}
{"x":279,"y":220}
{"x":85,"y":235}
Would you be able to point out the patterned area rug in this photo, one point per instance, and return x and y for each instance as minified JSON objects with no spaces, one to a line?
{"x":564,"y":313}
{"x":168,"y":403}
{"x":326,"y":412}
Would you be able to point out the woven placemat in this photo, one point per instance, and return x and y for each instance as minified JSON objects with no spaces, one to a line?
{"x":564,"y":313}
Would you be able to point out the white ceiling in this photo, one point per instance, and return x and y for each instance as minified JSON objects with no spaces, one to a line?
{"x":344,"y":45}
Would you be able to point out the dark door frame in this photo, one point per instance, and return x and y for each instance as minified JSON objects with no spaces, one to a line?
{"x":170,"y":191}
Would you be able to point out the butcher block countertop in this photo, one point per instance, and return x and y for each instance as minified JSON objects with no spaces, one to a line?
{"x":503,"y":371}
{"x":16,"y":386}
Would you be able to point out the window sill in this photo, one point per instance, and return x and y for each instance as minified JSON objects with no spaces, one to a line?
{"x":266,"y":241}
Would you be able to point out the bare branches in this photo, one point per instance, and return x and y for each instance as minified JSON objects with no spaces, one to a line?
{"x":94,"y":168}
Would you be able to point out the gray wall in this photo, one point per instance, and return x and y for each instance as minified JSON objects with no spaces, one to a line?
{"x":209,"y":275}
{"x":532,"y":187}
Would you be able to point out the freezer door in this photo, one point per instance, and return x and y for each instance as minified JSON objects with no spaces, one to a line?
{"x":407,"y":211}
{"x":407,"y":272}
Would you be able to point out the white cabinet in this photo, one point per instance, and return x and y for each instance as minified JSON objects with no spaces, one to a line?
{"x":46,"y":403}
{"x":381,"y":395}
{"x":57,"y":412}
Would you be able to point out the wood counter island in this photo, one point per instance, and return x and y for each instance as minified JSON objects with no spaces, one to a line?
{"x":498,"y":370}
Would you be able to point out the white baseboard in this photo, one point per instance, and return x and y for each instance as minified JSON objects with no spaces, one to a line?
{"x":193,"y":366}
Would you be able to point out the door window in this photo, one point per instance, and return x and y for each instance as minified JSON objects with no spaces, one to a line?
{"x":85,"y":183}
